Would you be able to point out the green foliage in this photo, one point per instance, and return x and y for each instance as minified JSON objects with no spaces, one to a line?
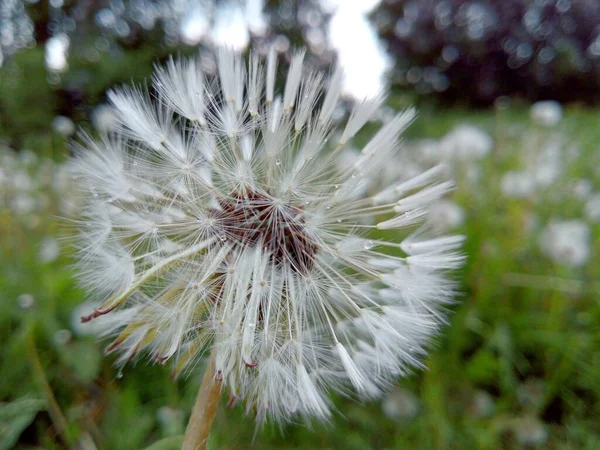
{"x":15,"y":417}
{"x":524,"y":337}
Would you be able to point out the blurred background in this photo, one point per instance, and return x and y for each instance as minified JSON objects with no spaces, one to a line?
{"x":508,"y":93}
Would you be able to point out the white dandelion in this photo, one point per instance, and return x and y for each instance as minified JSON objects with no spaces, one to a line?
{"x":465,"y":143}
{"x":547,"y":113}
{"x":592,"y":208}
{"x":218,"y":219}
{"x":566,"y":242}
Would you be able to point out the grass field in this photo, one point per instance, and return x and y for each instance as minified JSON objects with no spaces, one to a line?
{"x":517,"y":367}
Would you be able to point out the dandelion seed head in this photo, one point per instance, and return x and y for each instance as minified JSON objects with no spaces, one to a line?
{"x":566,"y":242}
{"x":592,"y":208}
{"x":466,"y":143}
{"x":223,"y":222}
{"x":547,"y":113}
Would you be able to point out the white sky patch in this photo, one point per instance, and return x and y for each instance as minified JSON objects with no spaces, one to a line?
{"x":194,"y":26}
{"x":360,"y":53}
{"x":230,"y":29}
{"x":56,"y":51}
{"x":257,"y":22}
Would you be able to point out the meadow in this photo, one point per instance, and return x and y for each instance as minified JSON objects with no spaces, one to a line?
{"x":517,"y":366}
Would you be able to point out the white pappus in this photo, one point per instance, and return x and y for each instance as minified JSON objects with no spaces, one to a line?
{"x":218,"y":221}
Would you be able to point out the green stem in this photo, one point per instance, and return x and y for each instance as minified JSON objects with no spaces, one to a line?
{"x":58,"y":419}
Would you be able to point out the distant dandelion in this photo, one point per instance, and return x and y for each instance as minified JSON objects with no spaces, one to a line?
{"x":63,"y":126}
{"x":517,"y":184}
{"x":219,"y":221}
{"x":466,"y":143}
{"x":566,"y":242}
{"x":546,"y":113}
{"x":446,"y":215}
{"x":592,"y":208}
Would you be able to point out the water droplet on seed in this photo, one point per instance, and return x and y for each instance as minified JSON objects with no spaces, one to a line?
{"x":277,"y":162}
{"x":368,"y":245}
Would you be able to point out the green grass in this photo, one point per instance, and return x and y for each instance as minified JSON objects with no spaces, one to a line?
{"x":526,"y":334}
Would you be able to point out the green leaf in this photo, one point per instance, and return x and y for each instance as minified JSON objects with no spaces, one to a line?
{"x":15,"y":417}
{"x":83,"y":358}
{"x":170,"y":443}
{"x":482,"y":367}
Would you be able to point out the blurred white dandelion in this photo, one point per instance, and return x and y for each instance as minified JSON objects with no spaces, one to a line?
{"x":547,"y":113}
{"x":517,"y":184}
{"x":63,"y":125}
{"x":49,"y":250}
{"x":445,"y":215}
{"x":530,"y":431}
{"x":103,"y":118}
{"x":217,"y":220}
{"x":581,"y":188}
{"x":566,"y":242}
{"x":400,"y":404}
{"x":465,"y":142}
{"x":592,"y":207}
{"x":481,"y":405}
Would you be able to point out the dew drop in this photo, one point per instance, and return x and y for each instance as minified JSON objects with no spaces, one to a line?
{"x":277,"y":162}
{"x":336,"y":186}
{"x":368,"y":245}
{"x":119,"y":375}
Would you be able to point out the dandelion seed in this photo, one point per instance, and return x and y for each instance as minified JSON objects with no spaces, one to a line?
{"x":223,"y":223}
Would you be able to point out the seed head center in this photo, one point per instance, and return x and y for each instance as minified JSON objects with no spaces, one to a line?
{"x":257,"y":219}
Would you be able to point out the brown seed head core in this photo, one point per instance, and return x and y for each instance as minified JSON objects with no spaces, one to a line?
{"x":255,"y":218}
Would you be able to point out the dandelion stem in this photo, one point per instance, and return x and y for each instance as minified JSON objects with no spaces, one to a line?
{"x":56,"y":416}
{"x":205,"y":409}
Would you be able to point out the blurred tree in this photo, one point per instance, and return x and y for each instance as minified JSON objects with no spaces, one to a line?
{"x":476,"y":50}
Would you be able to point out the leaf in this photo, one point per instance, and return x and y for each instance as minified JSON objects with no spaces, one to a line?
{"x":482,"y":367}
{"x":83,"y":358}
{"x":170,"y":443}
{"x":15,"y":417}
